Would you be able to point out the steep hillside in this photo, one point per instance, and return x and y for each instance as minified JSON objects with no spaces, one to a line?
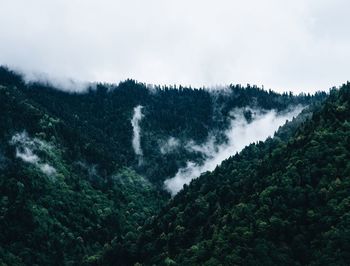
{"x":55,"y":208}
{"x":171,"y":118}
{"x":81,"y":172}
{"x":278,"y":202}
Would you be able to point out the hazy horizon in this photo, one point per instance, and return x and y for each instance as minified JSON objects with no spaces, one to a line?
{"x":298,"y":46}
{"x":69,"y":84}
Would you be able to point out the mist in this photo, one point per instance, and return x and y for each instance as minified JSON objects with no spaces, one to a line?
{"x":298,"y":45}
{"x":136,"y":139}
{"x":59,"y":82}
{"x":170,"y":145}
{"x":240,"y":134}
{"x":26,"y":148}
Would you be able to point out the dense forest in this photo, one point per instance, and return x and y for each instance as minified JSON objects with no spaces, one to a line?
{"x":100,"y":118}
{"x":75,"y":190}
{"x":284,"y":201}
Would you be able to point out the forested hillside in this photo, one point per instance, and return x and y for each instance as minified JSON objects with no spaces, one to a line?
{"x":82,"y":174}
{"x":285,"y":201}
{"x":101,"y":119}
{"x":55,"y":206}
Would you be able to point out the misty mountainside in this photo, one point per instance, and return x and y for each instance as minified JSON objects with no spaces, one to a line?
{"x":285,"y":201}
{"x":53,"y":207}
{"x":83,"y":175}
{"x":176,"y":125}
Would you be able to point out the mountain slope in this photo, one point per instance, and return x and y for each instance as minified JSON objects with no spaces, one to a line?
{"x":278,"y":202}
{"x":71,"y":181}
{"x":102,"y":115}
{"x":54,"y":208}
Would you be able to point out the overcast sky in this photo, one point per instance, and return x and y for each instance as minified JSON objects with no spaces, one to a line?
{"x":281,"y":44}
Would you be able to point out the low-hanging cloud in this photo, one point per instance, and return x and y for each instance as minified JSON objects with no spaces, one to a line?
{"x":136,"y":138}
{"x":62,"y":83}
{"x":170,"y":145}
{"x":26,"y":148}
{"x":284,"y":45}
{"x":240,"y":134}
{"x":47,"y":169}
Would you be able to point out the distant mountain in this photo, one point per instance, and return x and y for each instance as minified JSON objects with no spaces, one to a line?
{"x":285,"y":201}
{"x":82,"y":173}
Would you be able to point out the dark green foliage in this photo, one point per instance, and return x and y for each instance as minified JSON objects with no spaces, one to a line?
{"x":284,"y":201}
{"x":63,"y":218}
{"x":101,"y":118}
{"x":99,"y":206}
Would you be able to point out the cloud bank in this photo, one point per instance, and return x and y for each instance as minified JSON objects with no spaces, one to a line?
{"x":62,"y":83}
{"x":240,"y":134}
{"x":284,"y":45}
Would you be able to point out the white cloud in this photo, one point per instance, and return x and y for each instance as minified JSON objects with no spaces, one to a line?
{"x":240,"y":134}
{"x":136,"y":138}
{"x":286,"y":45}
{"x":170,"y":145}
{"x":26,"y":148}
{"x":47,"y":169}
{"x":27,"y":155}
